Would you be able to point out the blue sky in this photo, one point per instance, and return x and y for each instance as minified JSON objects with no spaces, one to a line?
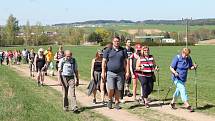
{"x":66,"y":11}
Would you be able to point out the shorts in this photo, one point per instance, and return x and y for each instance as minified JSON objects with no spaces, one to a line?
{"x":115,"y":80}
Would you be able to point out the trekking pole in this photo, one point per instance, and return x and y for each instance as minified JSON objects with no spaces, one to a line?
{"x":196,"y":87}
{"x":168,"y":92}
{"x":158,"y":81}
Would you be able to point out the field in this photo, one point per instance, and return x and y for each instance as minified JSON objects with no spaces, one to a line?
{"x":202,"y":55}
{"x":22,"y":100}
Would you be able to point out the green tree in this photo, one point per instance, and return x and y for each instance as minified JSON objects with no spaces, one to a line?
{"x":94,"y":37}
{"x":27,"y":33}
{"x":103,"y":33}
{"x":11,"y":30}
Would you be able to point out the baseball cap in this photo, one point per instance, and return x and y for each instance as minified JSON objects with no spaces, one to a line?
{"x":138,"y":46}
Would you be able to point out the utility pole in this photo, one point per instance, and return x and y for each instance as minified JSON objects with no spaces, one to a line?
{"x":187,"y":21}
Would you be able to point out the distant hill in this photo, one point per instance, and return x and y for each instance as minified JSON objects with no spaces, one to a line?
{"x":210,"y":21}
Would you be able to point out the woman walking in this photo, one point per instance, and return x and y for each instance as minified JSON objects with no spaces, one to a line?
{"x":40,"y":63}
{"x":96,"y":69}
{"x":146,"y":66}
{"x":179,"y":68}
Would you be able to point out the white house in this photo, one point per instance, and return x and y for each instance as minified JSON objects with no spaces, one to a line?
{"x":168,"y":40}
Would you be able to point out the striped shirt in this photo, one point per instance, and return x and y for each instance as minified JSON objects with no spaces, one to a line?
{"x":147,"y":64}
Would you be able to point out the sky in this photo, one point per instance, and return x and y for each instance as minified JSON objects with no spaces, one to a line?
{"x":50,"y":12}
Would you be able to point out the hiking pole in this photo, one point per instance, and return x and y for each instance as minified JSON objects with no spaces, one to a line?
{"x":168,"y":92}
{"x":158,"y":81}
{"x":196,"y":87}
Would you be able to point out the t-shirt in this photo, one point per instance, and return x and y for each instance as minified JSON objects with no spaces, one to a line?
{"x":49,"y":56}
{"x":68,"y":67}
{"x":115,"y":59}
{"x":129,"y":51}
{"x":181,"y":65}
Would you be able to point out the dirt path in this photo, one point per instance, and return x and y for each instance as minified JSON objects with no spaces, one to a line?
{"x":121,"y":115}
{"x":84,"y":100}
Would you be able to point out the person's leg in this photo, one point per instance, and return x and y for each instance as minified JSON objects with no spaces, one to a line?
{"x":120,"y":80}
{"x":110,"y":87}
{"x":102,"y":88}
{"x":134,"y":88}
{"x":183,"y":92}
{"x":71,"y":83}
{"x":65,"y":89}
{"x":38,"y":77}
{"x":42,"y":77}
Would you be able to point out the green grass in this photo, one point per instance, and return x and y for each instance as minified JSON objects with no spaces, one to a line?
{"x":202,"y":55}
{"x":22,"y":100}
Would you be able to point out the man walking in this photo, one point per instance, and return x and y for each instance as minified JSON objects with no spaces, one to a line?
{"x":68,"y":69}
{"x":115,"y":67}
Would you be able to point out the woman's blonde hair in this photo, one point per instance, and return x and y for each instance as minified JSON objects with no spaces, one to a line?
{"x":186,"y":51}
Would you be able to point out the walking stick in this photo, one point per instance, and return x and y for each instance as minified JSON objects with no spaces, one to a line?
{"x":168,"y":92}
{"x":158,"y":80}
{"x":196,"y":87}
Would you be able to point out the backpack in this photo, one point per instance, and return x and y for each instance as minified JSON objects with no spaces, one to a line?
{"x":72,"y":62}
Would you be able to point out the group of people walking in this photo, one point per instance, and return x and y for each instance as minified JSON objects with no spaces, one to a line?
{"x":113,"y":70}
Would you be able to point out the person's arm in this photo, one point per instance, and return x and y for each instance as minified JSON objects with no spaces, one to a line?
{"x":104,"y":67}
{"x":173,"y":71}
{"x":131,"y":66}
{"x":92,"y":66}
{"x":76,"y":74}
{"x":155,"y":65}
{"x":138,"y":66}
{"x":35,"y":61}
{"x":127,"y":63}
{"x":173,"y":66}
{"x":55,"y":57}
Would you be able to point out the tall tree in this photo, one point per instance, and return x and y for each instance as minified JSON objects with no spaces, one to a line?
{"x":27,"y":33}
{"x":11,"y":30}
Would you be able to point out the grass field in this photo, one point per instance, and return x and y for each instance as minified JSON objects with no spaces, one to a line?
{"x":22,"y":100}
{"x":202,"y":55}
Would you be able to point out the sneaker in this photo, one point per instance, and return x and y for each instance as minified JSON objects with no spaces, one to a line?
{"x":141,"y":101}
{"x":75,"y":109}
{"x":173,"y":106}
{"x":147,"y":105}
{"x":190,"y":109}
{"x":94,"y":101}
{"x":38,"y":83}
{"x":103,"y":102}
{"x":117,"y":106}
{"x":109,"y":104}
{"x":122,"y":101}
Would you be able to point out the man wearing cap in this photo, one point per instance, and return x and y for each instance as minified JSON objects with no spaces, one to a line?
{"x":115,"y":63}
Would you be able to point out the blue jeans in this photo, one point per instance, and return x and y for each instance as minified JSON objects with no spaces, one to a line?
{"x":180,"y":89}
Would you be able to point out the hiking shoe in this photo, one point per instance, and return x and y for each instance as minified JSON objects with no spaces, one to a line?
{"x":109,"y":104}
{"x":190,"y":109}
{"x":75,"y":109}
{"x":103,"y":102}
{"x":122,"y":101}
{"x":94,"y":101}
{"x":173,"y":106}
{"x":147,"y":105}
{"x":117,"y":106}
{"x":141,"y":101}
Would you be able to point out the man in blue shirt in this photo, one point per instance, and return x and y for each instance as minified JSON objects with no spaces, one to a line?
{"x":179,"y":68}
{"x":115,"y":67}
